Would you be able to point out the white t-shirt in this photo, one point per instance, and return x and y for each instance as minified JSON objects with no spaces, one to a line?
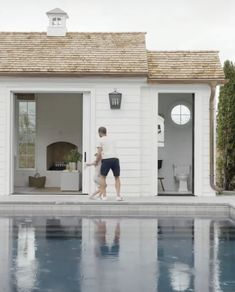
{"x":108,"y":147}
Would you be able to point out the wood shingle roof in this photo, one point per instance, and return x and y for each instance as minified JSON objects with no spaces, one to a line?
{"x":112,"y":54}
{"x":184,"y":65}
{"x":75,"y":53}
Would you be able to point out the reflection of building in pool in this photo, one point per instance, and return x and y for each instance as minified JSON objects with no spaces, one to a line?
{"x":48,"y":253}
{"x":56,"y":229}
{"x":60,"y":252}
{"x":102,"y":246}
{"x":167,"y":254}
{"x":26,"y":262}
{"x":175,"y":257}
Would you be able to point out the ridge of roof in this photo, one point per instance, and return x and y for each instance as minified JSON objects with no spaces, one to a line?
{"x":56,"y":11}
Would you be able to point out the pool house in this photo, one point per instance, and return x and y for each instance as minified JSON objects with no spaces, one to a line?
{"x":58,"y":87}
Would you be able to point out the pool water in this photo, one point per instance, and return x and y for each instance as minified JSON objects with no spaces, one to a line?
{"x":116,"y":254}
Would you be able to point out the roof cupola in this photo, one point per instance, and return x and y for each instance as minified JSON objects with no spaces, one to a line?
{"x":57,"y":22}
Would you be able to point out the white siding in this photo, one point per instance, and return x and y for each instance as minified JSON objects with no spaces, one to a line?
{"x":4,"y":146}
{"x":149,"y":103}
{"x":133,"y":126}
{"x":206,"y":188}
{"x":123,"y":126}
{"x":202,"y":142}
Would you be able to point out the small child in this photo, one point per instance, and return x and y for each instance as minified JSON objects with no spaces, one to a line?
{"x":96,"y":179}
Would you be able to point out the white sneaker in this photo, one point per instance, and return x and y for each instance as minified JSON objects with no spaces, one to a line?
{"x":92,"y":197}
{"x":104,"y":198}
{"x":119,"y":198}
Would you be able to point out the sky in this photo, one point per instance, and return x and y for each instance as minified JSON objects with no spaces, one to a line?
{"x":169,"y":24}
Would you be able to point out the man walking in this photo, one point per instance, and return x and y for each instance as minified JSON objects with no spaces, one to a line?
{"x":109,"y":160}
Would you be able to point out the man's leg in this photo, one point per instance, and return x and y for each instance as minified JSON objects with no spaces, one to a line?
{"x":117,"y":185}
{"x":103,"y":185}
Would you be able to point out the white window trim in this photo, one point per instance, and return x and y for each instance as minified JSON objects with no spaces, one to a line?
{"x":180,"y":102}
{"x":17,"y":137}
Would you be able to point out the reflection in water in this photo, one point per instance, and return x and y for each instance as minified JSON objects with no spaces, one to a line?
{"x":175,"y":254}
{"x":126,"y":254}
{"x":179,"y":276}
{"x":102,"y":247}
{"x":47,"y":255}
{"x":224,"y":263}
{"x":26,"y":262}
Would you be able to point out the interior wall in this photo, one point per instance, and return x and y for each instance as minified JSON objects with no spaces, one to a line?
{"x":178,"y":139}
{"x":58,"y":118}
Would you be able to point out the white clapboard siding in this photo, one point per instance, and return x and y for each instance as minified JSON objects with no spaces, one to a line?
{"x":123,"y":152}
{"x":205,"y":171}
{"x":130,"y":173}
{"x":3,"y":144}
{"x":134,"y":144}
{"x":126,"y":106}
{"x":133,"y":127}
{"x":123,"y":125}
{"x":125,"y":122}
{"x":117,"y":129}
{"x":114,"y":114}
{"x":147,"y":143}
{"x":126,"y":181}
{"x":135,"y":190}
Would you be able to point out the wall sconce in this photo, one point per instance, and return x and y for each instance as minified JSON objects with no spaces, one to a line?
{"x":115,"y":99}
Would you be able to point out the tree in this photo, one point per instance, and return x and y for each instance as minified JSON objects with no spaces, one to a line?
{"x":226,"y":130}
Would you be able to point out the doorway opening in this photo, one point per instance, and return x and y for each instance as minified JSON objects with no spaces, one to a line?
{"x":176,"y":144}
{"x":47,"y":126}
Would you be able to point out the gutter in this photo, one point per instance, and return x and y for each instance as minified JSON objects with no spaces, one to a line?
{"x":212,"y":137}
{"x":72,"y":74}
{"x":184,"y":81}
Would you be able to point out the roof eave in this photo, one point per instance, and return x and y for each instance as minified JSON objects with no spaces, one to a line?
{"x":73,"y":74}
{"x":219,"y":81}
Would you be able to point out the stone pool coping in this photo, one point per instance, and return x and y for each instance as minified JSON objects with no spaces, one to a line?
{"x":80,"y":205}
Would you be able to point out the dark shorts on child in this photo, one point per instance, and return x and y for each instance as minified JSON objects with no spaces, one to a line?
{"x":110,"y":163}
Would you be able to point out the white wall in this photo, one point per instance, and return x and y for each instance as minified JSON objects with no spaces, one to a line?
{"x":149,"y":130}
{"x":178,"y":139}
{"x":4,"y":134}
{"x":124,"y":126}
{"x":203,"y":100}
{"x":130,"y":126}
{"x":58,"y":119}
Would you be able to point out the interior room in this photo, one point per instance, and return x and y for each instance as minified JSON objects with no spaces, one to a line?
{"x":175,"y":151}
{"x":47,"y":127}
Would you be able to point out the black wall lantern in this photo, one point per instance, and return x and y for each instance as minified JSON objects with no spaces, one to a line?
{"x":115,"y":99}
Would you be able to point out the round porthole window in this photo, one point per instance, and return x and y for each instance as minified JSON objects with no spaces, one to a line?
{"x":180,"y":114}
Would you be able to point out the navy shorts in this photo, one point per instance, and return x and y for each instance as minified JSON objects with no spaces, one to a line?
{"x":110,"y":163}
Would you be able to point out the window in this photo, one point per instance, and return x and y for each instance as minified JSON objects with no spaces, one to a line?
{"x":180,"y":114}
{"x":56,"y":21}
{"x":26,"y":133}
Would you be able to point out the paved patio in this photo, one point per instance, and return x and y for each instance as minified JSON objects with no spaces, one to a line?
{"x":84,"y":199}
{"x":81,"y":205}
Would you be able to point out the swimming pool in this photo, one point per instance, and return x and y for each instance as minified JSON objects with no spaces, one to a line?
{"x":116,"y":254}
